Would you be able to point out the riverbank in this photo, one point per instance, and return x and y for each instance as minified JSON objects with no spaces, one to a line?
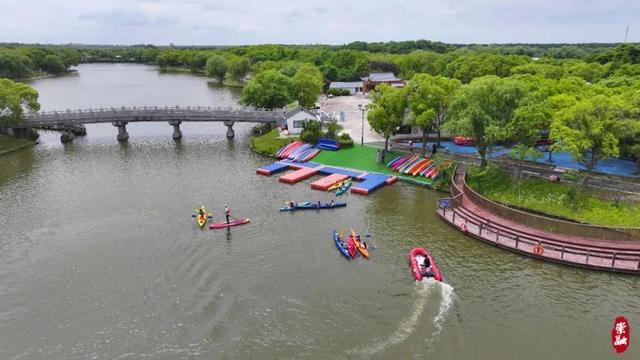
{"x":10,"y":144}
{"x":562,"y":200}
{"x":186,"y":70}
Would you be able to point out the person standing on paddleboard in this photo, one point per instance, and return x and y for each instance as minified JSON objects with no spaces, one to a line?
{"x":227,"y":212}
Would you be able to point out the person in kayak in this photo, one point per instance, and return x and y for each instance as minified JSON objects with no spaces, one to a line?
{"x":227,"y":212}
{"x":291,"y":205}
{"x":332,"y":203}
{"x":319,"y":204}
{"x":201,"y":211}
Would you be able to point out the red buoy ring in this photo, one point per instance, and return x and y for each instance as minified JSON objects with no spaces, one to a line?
{"x":538,"y":250}
{"x":464,"y":226}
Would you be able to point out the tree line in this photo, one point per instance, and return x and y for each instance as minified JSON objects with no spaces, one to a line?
{"x":590,"y":121}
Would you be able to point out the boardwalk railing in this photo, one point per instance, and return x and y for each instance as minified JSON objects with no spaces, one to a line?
{"x":588,"y":257}
{"x":153,"y":113}
{"x":541,"y":222}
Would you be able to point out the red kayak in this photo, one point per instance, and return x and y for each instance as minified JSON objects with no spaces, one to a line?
{"x":222,"y":225}
{"x":351,"y":247}
{"x":423,"y":265}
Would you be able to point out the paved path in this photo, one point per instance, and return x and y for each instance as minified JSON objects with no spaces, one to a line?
{"x":353,"y":116}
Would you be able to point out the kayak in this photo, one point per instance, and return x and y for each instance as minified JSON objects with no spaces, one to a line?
{"x":394,"y":160}
{"x":202,"y":219}
{"x":419,"y":260}
{"x":337,"y":185}
{"x":424,"y":165}
{"x":359,"y":245}
{"x":222,"y":225}
{"x":343,"y":188}
{"x":351,"y":247}
{"x":311,"y":206}
{"x":340,"y":244}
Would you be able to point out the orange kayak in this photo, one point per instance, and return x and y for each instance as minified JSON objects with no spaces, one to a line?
{"x":362,"y":249}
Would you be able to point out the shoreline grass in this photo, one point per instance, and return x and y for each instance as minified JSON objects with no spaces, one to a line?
{"x":10,"y":144}
{"x":563,"y":200}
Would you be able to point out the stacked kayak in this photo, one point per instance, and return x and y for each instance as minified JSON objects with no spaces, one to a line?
{"x":415,"y":165}
{"x":222,"y":225}
{"x":298,"y":152}
{"x":422,"y":264}
{"x":311,"y":206}
{"x":337,"y":185}
{"x":284,"y":151}
{"x":342,"y":247}
{"x":344,"y":187}
{"x":328,"y":144}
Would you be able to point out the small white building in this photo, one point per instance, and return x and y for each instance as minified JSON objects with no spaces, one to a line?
{"x":295,"y":119}
{"x":353,"y":86}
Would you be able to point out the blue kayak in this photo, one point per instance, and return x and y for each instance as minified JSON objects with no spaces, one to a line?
{"x":312,"y":206}
{"x":340,"y":244}
{"x":341,"y":190}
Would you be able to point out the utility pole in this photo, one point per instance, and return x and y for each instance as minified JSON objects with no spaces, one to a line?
{"x":626,"y":34}
{"x":362,"y":109}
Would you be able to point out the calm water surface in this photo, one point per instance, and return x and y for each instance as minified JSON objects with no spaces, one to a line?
{"x":100,"y":259}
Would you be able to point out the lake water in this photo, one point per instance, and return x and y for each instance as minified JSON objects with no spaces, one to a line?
{"x":100,"y":258}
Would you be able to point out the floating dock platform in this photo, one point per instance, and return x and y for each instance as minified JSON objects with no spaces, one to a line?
{"x":272,"y":168}
{"x":364,"y":183}
{"x":299,"y":175}
{"x":326,"y":182}
{"x":370,"y":183}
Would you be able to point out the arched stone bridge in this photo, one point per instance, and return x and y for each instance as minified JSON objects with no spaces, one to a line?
{"x":119,"y":117}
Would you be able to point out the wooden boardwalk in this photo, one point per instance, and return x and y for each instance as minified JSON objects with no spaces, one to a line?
{"x":465,"y":215}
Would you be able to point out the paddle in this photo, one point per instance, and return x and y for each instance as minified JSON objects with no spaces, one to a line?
{"x":208,"y":216}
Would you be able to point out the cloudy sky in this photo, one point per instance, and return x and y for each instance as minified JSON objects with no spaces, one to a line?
{"x":223,"y":22}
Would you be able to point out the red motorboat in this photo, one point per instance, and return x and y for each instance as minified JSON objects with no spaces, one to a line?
{"x":423,"y":265}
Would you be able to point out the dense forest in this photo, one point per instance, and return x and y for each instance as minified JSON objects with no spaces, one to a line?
{"x":585,"y":96}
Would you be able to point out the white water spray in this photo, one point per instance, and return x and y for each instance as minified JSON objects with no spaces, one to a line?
{"x":407,"y":326}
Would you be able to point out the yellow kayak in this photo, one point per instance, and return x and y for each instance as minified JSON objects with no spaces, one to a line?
{"x":337,"y":185}
{"x":201,"y":219}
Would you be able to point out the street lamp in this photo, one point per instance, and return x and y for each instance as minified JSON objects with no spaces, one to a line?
{"x":362,"y":109}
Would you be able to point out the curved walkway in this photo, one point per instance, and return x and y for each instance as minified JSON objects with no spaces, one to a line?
{"x":460,"y":212}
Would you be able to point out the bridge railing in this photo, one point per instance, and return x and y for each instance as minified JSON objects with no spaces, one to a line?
{"x":160,"y":113}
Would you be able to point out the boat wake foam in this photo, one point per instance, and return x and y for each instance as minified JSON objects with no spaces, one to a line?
{"x":408,"y":325}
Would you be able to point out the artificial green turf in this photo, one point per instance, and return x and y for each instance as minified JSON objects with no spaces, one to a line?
{"x":363,"y":157}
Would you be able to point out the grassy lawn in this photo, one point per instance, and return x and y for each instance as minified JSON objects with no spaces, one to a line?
{"x":8,"y":143}
{"x":558,"y":199}
{"x":361,"y":157}
{"x":269,"y":143}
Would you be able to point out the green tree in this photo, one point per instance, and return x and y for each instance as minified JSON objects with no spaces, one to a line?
{"x":239,"y":67}
{"x":333,"y":128}
{"x":69,"y":57}
{"x":311,"y":131}
{"x":387,"y":111}
{"x":52,"y":64}
{"x":216,"y":67}
{"x":589,"y":130}
{"x":483,"y":108}
{"x":14,"y":99}
{"x":429,"y":98}
{"x":198,"y":62}
{"x":269,"y":89}
{"x":15,"y":66}
{"x":306,"y":85}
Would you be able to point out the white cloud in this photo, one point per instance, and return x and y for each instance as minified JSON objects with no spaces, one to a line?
{"x":316,"y":21}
